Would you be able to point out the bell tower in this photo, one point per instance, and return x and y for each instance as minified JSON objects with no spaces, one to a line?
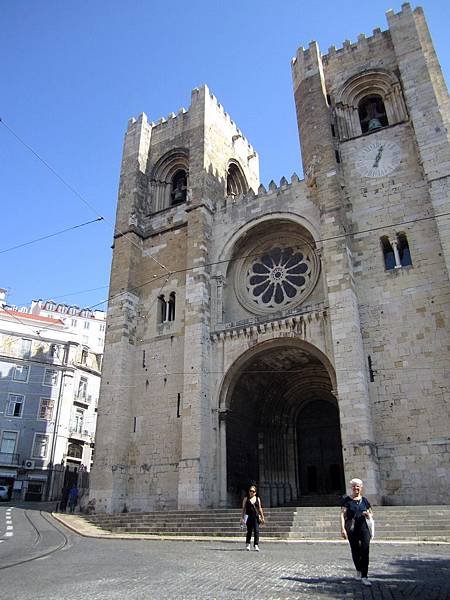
{"x":154,"y":447}
{"x":373,"y":122}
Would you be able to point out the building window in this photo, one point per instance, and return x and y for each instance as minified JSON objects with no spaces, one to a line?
{"x":171,"y":307}
{"x":15,"y":404}
{"x":236,"y":182}
{"x":40,"y":445}
{"x":403,"y":250}
{"x":166,"y":308}
{"x":50,"y":377}
{"x":84,"y":356}
{"x":8,"y":446}
{"x":75,"y":451}
{"x":73,"y":322}
{"x":46,"y":409}
{"x":396,"y":252}
{"x":21,"y":373}
{"x":178,"y":190}
{"x":25,"y":350}
{"x":102,"y":327}
{"x":86,"y":324}
{"x":388,"y":253}
{"x":372,"y":113}
{"x":78,"y":420}
{"x":82,"y":389}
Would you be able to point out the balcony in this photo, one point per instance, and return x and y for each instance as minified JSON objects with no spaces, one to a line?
{"x":76,"y":433}
{"x":8,"y":459}
{"x":83,"y":398}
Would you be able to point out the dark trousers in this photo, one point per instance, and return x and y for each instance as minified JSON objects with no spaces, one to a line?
{"x":359,"y":541}
{"x":252,"y":527}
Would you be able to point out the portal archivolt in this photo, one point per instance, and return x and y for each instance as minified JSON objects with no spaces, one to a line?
{"x":282,"y":428}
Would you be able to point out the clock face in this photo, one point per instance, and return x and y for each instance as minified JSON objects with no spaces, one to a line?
{"x":378,"y":159}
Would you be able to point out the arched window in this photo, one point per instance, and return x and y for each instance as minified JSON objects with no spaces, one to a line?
{"x":166,"y":308}
{"x":396,"y":253}
{"x":178,"y":192}
{"x":236,"y":182}
{"x":75,"y":451}
{"x":368,"y":101}
{"x":372,"y":113}
{"x":171,"y":307}
{"x":169,"y":180}
{"x":388,"y":253}
{"x":161,"y":309}
{"x":403,"y":250}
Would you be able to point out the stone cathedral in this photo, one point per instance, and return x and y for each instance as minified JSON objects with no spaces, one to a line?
{"x":295,"y":336}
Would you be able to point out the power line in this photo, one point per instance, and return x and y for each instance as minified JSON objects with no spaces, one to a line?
{"x":239,"y":257}
{"x":50,"y":235}
{"x":73,"y":190}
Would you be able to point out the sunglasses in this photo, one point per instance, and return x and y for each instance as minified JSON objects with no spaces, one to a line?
{"x":252,"y":491}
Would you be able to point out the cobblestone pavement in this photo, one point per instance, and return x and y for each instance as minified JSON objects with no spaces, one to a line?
{"x":106,"y":569}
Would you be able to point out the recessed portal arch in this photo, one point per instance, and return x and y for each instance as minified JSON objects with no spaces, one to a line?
{"x":282,"y":426}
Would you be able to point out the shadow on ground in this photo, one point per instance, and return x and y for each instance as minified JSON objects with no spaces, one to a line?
{"x":408,"y":577}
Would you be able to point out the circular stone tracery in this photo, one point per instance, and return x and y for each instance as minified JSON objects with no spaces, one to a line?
{"x":277,"y":276}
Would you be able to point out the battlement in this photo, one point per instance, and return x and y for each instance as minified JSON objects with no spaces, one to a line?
{"x":199,"y":95}
{"x":214,"y":102}
{"x":306,"y":60}
{"x":263,"y":193}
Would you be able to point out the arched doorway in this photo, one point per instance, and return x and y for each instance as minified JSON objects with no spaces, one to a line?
{"x":282,"y":427}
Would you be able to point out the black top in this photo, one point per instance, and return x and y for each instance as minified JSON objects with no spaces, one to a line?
{"x":355,"y":508}
{"x":252,"y":510}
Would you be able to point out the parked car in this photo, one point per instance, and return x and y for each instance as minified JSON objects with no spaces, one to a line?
{"x":4,"y":492}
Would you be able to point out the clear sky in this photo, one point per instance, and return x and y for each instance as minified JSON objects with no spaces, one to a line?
{"x":73,"y":72}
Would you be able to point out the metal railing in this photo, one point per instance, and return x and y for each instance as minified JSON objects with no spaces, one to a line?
{"x":7,"y":458}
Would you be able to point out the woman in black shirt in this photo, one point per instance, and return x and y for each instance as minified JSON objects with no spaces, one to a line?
{"x":252,"y":516}
{"x":355,"y":509}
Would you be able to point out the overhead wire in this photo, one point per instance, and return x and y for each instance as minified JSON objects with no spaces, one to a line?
{"x":50,"y":235}
{"x":73,"y":190}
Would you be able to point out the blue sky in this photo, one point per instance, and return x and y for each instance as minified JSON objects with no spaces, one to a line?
{"x":73,"y":72}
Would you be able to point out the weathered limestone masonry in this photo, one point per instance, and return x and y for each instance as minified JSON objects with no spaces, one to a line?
{"x":295,"y":336}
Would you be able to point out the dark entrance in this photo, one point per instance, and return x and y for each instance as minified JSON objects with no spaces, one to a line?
{"x":283,"y":430}
{"x":319,"y":449}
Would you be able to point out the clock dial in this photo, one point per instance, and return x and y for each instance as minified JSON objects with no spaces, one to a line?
{"x":378,"y":159}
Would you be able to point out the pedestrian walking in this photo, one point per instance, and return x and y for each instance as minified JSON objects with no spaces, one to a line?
{"x":64,"y":499}
{"x":73,"y":498}
{"x":252,"y":517}
{"x":355,"y":510}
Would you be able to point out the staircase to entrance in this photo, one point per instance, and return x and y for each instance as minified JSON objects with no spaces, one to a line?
{"x":393,"y":523}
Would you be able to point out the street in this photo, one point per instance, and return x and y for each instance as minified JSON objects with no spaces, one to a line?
{"x":42,"y":560}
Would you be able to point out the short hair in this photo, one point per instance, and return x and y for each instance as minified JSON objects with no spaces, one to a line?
{"x":356,"y":481}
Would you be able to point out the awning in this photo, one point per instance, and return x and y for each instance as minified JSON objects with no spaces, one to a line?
{"x":8,"y":474}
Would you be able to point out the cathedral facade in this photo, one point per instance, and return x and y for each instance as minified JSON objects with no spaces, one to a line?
{"x":295,"y":336}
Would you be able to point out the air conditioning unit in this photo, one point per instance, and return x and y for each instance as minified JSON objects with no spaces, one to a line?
{"x":28,"y":463}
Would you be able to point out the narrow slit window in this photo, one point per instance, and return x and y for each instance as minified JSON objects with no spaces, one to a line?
{"x":403,"y":250}
{"x":171,"y":307}
{"x":161,"y":309}
{"x":388,"y":253}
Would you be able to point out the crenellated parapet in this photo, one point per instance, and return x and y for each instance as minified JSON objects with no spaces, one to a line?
{"x":284,"y":188}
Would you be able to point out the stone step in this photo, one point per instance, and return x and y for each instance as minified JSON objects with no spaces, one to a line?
{"x":392,"y":523}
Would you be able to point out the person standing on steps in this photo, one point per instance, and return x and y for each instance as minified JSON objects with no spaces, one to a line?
{"x":252,"y":516}
{"x":355,"y":509}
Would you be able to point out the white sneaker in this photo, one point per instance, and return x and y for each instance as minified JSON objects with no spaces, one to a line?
{"x":247,"y":547}
{"x":358,"y":574}
{"x":257,"y":548}
{"x":365,"y":581}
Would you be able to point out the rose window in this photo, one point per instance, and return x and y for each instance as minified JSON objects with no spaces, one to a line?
{"x":279,"y":277}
